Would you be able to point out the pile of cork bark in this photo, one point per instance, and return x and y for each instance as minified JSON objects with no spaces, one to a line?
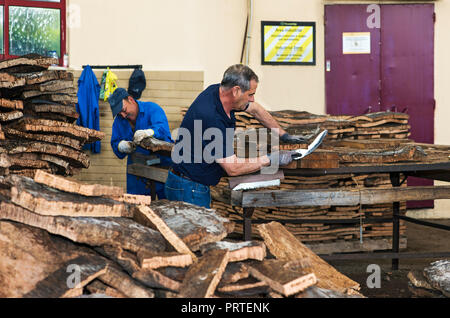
{"x":62,"y":238}
{"x":37,"y":115}
{"x":379,"y":125}
{"x":433,"y":281}
{"x":376,"y":138}
{"x":371,"y":139}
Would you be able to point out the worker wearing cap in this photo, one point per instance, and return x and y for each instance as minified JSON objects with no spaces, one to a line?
{"x":133,"y":121}
{"x":192,"y":174}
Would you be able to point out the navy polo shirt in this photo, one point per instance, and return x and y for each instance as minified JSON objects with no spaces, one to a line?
{"x":206,"y":133}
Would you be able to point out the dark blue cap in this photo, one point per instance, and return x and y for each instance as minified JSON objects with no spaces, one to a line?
{"x":116,"y":100}
{"x":137,"y":83}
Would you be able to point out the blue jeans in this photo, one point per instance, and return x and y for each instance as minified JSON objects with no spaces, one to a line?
{"x":181,"y":189}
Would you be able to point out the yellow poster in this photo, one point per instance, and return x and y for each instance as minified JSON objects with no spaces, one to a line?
{"x":288,"y":43}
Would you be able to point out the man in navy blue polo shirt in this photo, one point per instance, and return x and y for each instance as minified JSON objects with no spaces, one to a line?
{"x":199,"y":165}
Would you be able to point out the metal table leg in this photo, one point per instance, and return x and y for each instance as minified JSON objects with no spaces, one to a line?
{"x":395,"y":180}
{"x":153,"y":190}
{"x":248,"y":213}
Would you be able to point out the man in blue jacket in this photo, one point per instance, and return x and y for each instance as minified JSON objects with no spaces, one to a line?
{"x":135,"y":120}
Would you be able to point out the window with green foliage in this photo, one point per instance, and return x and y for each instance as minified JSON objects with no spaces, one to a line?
{"x":32,"y":26}
{"x":34,"y":30}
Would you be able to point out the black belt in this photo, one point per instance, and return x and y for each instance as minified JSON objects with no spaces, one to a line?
{"x":179,"y":174}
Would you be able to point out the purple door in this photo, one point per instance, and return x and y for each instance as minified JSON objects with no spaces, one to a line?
{"x":397,"y":75}
{"x":352,"y":80}
{"x":407,"y":77}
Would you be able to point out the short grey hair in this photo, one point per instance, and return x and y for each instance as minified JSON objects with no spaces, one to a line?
{"x":239,"y":75}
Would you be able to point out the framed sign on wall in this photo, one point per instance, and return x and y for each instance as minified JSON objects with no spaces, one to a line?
{"x":288,"y":43}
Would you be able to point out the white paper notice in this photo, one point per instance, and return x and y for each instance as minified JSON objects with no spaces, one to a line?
{"x":356,"y":43}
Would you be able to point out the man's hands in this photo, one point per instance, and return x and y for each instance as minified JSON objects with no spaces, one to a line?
{"x":126,"y":147}
{"x":140,"y":135}
{"x":282,"y":158}
{"x":293,"y":139}
{"x":299,"y":139}
{"x":130,"y":146}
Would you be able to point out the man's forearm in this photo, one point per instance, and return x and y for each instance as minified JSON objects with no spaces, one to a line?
{"x":265,"y":118}
{"x":235,"y":166}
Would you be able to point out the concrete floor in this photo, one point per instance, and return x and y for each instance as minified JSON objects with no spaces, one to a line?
{"x":394,"y":284}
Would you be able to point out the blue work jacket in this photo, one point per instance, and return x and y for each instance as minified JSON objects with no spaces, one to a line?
{"x":87,"y":106}
{"x":152,"y":116}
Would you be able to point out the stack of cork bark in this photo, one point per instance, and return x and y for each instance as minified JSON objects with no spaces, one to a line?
{"x":61,"y":238}
{"x":37,"y":115}
{"x":320,"y":232}
{"x":377,"y":138}
{"x":370,"y":126}
{"x":387,"y":125}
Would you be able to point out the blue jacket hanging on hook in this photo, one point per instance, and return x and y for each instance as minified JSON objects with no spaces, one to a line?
{"x":87,"y":106}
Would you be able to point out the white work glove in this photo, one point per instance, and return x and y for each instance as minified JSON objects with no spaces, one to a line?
{"x":140,"y":135}
{"x":126,"y":147}
{"x":282,"y":158}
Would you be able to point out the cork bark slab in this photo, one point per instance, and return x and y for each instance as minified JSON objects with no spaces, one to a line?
{"x":418,"y":280}
{"x":157,"y":260}
{"x":44,"y":200}
{"x":283,"y":280}
{"x":97,"y":287}
{"x":76,"y":158}
{"x":55,"y":139}
{"x":195,"y":225}
{"x":29,"y":255}
{"x":57,"y":127}
{"x":126,"y":285}
{"x":11,"y":104}
{"x":5,"y":161}
{"x":438,"y":275}
{"x":284,"y":246}
{"x":156,"y":145}
{"x":56,"y":162}
{"x":69,"y":111}
{"x":239,"y":251}
{"x":64,"y":184}
{"x":243,"y":289}
{"x":401,"y":154}
{"x":60,"y":284}
{"x":121,"y":232}
{"x":70,"y":92}
{"x":45,"y":76}
{"x":166,"y":231}
{"x":154,"y":279}
{"x":203,"y":277}
{"x":10,"y":116}
{"x":234,"y":272}
{"x":317,"y":292}
{"x":27,"y":63}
